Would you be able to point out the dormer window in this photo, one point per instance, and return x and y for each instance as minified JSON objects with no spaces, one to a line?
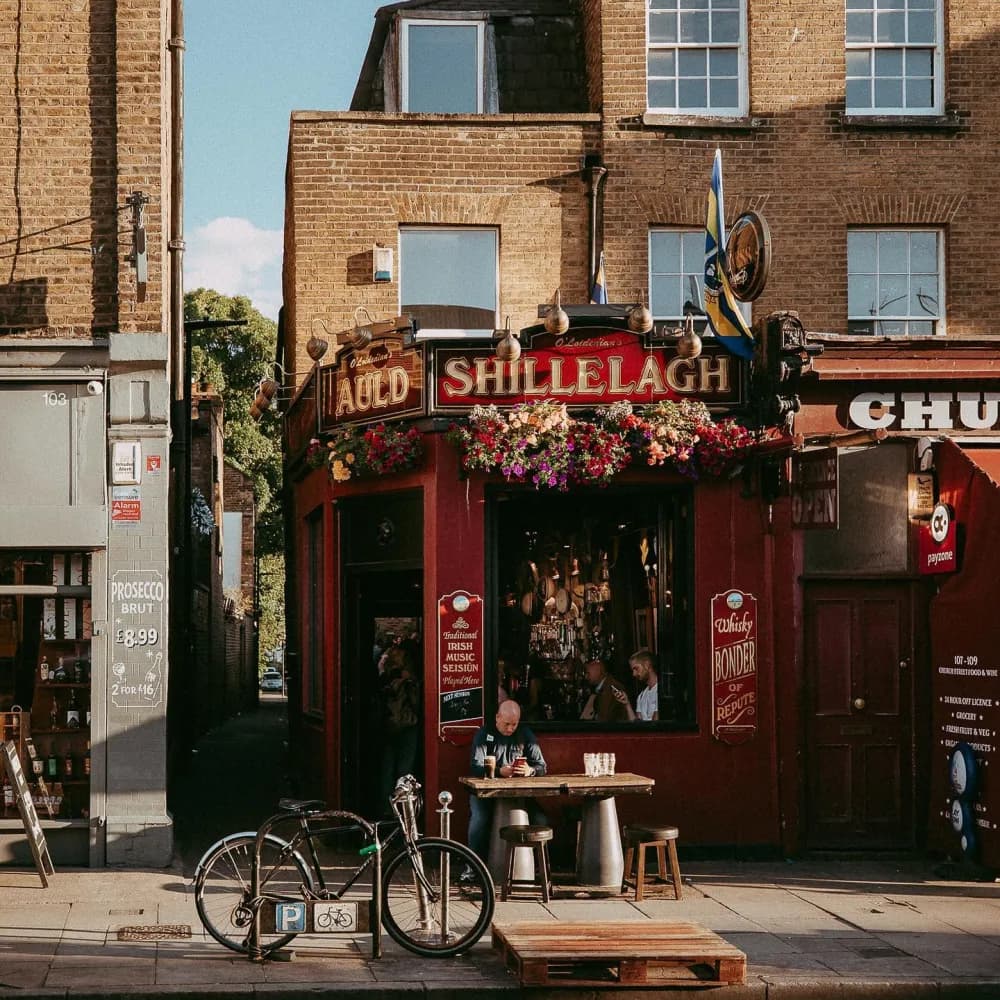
{"x":441,"y":66}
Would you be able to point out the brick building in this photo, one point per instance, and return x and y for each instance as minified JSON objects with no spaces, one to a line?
{"x":88,"y":299}
{"x":495,"y":149}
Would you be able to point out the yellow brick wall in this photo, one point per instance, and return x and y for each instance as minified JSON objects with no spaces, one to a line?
{"x":353,"y":179}
{"x":82,"y":125}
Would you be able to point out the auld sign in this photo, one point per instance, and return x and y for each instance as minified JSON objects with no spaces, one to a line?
{"x":384,"y":381}
{"x":584,"y":367}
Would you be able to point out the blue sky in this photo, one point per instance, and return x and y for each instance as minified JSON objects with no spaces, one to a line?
{"x":248,"y":65}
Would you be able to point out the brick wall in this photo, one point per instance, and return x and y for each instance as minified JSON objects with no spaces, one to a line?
{"x":353,"y":178}
{"x":238,"y":497}
{"x":83,"y":127}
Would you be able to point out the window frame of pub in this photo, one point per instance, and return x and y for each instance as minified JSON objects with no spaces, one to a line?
{"x":436,"y":267}
{"x":679,"y":34}
{"x":893,"y":52}
{"x":883,"y":322}
{"x":524,"y":528}
{"x":410,"y":62}
{"x":668,"y":286}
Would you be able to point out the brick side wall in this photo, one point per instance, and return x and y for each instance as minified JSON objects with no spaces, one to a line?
{"x":81,"y":115}
{"x":238,"y":497}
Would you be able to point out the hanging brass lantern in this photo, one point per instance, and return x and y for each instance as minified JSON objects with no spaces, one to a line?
{"x":688,"y":342}
{"x":556,"y":320}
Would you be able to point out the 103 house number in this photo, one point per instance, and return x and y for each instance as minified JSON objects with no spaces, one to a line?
{"x":132,"y":637}
{"x":55,"y":398}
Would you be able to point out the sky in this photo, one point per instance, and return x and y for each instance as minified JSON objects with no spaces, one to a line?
{"x":248,"y":64}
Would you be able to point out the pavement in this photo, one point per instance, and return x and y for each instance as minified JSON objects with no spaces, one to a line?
{"x":817,"y":929}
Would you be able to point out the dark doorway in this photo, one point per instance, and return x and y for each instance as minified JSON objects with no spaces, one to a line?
{"x":859,"y":716}
{"x":382,"y":543}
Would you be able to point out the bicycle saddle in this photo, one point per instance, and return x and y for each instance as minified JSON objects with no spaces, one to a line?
{"x":302,"y":805}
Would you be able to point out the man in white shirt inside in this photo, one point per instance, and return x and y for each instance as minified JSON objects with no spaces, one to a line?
{"x":647,"y":704}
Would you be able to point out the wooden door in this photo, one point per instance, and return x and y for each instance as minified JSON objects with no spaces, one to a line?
{"x":859,"y":716}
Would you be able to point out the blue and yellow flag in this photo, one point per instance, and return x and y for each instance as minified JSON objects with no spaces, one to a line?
{"x":599,"y":289}
{"x":724,"y":317}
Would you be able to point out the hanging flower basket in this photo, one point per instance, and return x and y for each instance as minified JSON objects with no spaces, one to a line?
{"x":355,"y":452}
{"x":540,"y":444}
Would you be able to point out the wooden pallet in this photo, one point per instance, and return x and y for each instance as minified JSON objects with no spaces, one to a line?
{"x":633,"y":953}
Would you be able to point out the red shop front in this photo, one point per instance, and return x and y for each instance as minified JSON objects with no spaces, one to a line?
{"x":504,"y":573}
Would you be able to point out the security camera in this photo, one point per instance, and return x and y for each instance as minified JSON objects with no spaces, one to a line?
{"x":95,"y":387}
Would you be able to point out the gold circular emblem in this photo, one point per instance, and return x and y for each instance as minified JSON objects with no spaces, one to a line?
{"x":748,"y":256}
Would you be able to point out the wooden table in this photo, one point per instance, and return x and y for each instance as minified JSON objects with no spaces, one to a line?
{"x":599,"y":859}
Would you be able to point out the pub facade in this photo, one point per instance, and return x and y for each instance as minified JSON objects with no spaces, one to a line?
{"x":511,"y":488}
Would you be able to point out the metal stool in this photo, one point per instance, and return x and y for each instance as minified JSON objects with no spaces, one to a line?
{"x":637,"y":839}
{"x":536,"y":838}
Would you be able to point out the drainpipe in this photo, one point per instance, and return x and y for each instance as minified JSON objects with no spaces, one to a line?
{"x":181,"y":661}
{"x":595,"y":174}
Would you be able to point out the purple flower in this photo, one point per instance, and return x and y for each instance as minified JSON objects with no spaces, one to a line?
{"x":518,"y":469}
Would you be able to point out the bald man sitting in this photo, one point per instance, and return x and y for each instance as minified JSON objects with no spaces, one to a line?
{"x":506,"y":739}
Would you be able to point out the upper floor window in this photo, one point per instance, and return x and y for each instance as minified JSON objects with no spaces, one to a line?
{"x":696,"y":57}
{"x":676,"y":271}
{"x":441,"y":66}
{"x":894,"y":56}
{"x":894,"y":285}
{"x":449,"y":278}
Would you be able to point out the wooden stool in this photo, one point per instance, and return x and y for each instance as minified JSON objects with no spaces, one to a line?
{"x":536,"y":838}
{"x":637,"y":839}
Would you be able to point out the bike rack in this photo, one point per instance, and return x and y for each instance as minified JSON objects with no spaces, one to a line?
{"x":308,"y":906}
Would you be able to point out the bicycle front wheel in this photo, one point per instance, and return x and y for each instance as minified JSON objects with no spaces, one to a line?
{"x":222,"y":888}
{"x":437,"y":900}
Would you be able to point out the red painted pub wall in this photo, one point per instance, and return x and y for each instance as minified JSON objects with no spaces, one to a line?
{"x":718,"y":794}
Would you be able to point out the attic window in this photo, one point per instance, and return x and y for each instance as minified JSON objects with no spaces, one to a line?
{"x":441,"y":66}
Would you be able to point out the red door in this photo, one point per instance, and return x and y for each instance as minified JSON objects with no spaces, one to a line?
{"x":859,"y":715}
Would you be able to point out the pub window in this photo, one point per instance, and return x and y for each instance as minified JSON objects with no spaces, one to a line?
{"x":696,"y":57}
{"x":894,"y":286}
{"x":894,"y":57}
{"x":313,"y":685}
{"x":441,"y":66}
{"x":591,"y":578}
{"x":449,"y":279}
{"x":677,"y":275}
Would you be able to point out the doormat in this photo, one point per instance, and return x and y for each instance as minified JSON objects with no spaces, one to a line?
{"x":155,"y":932}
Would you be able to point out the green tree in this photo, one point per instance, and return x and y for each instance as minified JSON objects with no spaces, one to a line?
{"x":235,"y":359}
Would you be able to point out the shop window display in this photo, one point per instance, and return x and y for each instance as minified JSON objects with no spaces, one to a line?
{"x":45,"y":677}
{"x":592,"y":577}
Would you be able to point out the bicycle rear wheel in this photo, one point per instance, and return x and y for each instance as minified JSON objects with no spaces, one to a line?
{"x":222,"y":888}
{"x":420,"y":915}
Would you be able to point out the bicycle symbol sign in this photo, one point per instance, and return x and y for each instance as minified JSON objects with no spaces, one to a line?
{"x":331,"y":918}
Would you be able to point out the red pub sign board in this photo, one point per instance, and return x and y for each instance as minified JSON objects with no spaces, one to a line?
{"x":585,"y":367}
{"x":734,"y":666}
{"x":384,"y":381}
{"x":460,"y":665}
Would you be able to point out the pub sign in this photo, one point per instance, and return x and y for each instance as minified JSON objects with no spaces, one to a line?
{"x":734,"y":666}
{"x":460,"y":665}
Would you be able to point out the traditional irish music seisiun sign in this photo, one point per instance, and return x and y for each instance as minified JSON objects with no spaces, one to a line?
{"x":26,"y":807}
{"x":734,"y":666}
{"x":460,"y":665}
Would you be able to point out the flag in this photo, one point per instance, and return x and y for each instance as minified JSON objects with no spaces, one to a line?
{"x":724,"y":317}
{"x":599,"y":289}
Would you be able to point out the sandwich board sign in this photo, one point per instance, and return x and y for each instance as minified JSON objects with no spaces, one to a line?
{"x":26,"y":807}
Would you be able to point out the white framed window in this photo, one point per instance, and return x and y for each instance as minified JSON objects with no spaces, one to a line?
{"x":441,"y":66}
{"x":677,"y":275}
{"x":449,"y":279}
{"x":895,"y":61}
{"x":696,"y":55}
{"x":895,"y":284}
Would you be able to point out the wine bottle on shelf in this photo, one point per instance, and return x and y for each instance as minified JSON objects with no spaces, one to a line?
{"x":52,"y":762}
{"x":43,"y":670}
{"x":60,"y":674}
{"x":72,"y":712}
{"x":54,"y":714}
{"x":86,"y":761}
{"x":67,"y":765}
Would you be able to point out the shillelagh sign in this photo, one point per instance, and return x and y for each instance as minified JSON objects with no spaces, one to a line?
{"x":584,"y":367}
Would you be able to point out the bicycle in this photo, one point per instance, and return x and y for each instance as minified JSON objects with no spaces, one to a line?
{"x":435,"y":896}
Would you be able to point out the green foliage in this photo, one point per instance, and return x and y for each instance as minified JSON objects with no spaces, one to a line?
{"x":235,"y":359}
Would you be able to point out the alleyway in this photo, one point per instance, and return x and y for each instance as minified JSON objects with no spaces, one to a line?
{"x":236,"y":776}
